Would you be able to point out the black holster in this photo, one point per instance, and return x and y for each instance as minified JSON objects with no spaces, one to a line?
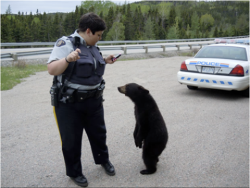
{"x":67,"y":95}
{"x":54,"y":92}
{"x":100,"y":89}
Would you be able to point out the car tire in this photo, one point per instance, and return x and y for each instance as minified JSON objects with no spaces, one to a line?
{"x":246,"y":92}
{"x":192,"y":87}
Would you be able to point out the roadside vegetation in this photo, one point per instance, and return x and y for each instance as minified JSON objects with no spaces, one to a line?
{"x":11,"y":76}
{"x":144,"y":20}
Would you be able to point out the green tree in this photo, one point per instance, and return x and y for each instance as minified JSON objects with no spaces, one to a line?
{"x":68,"y":24}
{"x":206,"y":22}
{"x":97,"y":6}
{"x":138,"y":22}
{"x":206,"y":34}
{"x":116,"y":32}
{"x":8,"y":11}
{"x":110,"y":18}
{"x":226,"y":33}
{"x":231,"y":31}
{"x":27,"y":37}
{"x":35,"y":30}
{"x":18,"y":34}
{"x":195,"y":24}
{"x":129,"y":26}
{"x":172,"y":34}
{"x":188,"y":32}
{"x":159,"y":31}
{"x":182,"y":34}
{"x":242,"y":25}
{"x":220,"y":33}
{"x":172,"y":16}
{"x":177,"y":31}
{"x":164,"y":9}
{"x":216,"y":33}
{"x":149,"y":30}
{"x":5,"y":29}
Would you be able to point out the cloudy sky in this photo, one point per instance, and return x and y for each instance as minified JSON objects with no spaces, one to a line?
{"x":44,"y":6}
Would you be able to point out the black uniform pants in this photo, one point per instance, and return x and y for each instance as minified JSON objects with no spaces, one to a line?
{"x":72,"y":118}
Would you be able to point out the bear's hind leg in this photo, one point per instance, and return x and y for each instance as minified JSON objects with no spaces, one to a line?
{"x":150,"y":159}
{"x":150,"y":155}
{"x":150,"y":166}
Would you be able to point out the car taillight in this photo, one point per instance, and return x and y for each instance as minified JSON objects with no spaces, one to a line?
{"x":237,"y":71}
{"x":184,"y":66}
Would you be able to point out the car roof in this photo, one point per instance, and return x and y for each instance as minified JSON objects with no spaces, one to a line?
{"x":234,"y":45}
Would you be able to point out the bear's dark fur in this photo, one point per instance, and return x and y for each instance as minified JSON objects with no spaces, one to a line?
{"x":150,"y":129}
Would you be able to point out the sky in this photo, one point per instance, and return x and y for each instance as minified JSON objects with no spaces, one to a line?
{"x":44,"y":6}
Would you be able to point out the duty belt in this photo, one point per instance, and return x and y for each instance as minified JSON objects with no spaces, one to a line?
{"x":73,"y":95}
{"x":81,"y":95}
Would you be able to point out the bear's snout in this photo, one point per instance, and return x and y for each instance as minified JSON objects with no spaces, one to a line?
{"x":122,"y":89}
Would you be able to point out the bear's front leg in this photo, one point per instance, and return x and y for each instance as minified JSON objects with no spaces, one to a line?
{"x":136,"y":130}
{"x":138,"y":141}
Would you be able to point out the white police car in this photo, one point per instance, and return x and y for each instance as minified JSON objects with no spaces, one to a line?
{"x":218,"y":66}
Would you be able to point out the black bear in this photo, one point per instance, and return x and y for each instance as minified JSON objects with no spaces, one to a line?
{"x":150,"y":129}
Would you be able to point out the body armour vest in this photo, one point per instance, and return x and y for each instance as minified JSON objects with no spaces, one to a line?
{"x":89,"y":69}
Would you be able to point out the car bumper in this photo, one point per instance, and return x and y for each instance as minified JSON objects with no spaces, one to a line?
{"x":213,"y":81}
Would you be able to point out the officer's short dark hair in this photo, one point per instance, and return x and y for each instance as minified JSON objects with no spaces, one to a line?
{"x":91,"y":21}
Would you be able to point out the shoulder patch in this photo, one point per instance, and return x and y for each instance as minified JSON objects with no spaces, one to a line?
{"x":60,"y":43}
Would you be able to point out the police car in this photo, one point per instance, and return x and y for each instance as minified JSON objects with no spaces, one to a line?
{"x":218,"y":66}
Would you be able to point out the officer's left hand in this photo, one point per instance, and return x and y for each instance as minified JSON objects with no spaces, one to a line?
{"x":108,"y":60}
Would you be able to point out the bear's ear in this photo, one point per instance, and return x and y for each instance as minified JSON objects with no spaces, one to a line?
{"x":144,"y":91}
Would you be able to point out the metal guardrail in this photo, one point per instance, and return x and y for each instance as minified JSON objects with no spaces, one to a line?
{"x":19,"y":54}
{"x":32,"y":44}
{"x":146,"y":44}
{"x":6,"y":55}
{"x":116,"y":47}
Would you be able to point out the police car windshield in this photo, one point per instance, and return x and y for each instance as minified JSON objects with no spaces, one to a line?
{"x":223,"y":52}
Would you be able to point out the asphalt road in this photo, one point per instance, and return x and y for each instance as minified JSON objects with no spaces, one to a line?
{"x":208,"y":133}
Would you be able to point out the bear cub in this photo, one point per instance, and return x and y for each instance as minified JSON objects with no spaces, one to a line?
{"x":150,"y":129}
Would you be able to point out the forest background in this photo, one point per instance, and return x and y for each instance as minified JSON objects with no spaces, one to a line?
{"x":144,"y":20}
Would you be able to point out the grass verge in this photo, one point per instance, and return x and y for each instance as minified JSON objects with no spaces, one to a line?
{"x":11,"y":76}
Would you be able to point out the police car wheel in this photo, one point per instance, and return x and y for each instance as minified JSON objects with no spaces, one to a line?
{"x":192,"y":87}
{"x":246,"y":92}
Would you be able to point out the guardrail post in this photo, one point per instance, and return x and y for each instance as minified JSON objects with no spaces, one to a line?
{"x":200,"y":46}
{"x":190,"y":46}
{"x":178,"y":47}
{"x":164,"y":48}
{"x":146,"y":49}
{"x":125,"y":50}
{"x":14,"y":56}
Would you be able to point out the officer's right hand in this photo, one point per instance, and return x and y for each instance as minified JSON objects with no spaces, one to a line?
{"x":74,"y":56}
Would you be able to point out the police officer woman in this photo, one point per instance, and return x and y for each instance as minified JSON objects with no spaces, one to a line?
{"x":78,"y":67}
